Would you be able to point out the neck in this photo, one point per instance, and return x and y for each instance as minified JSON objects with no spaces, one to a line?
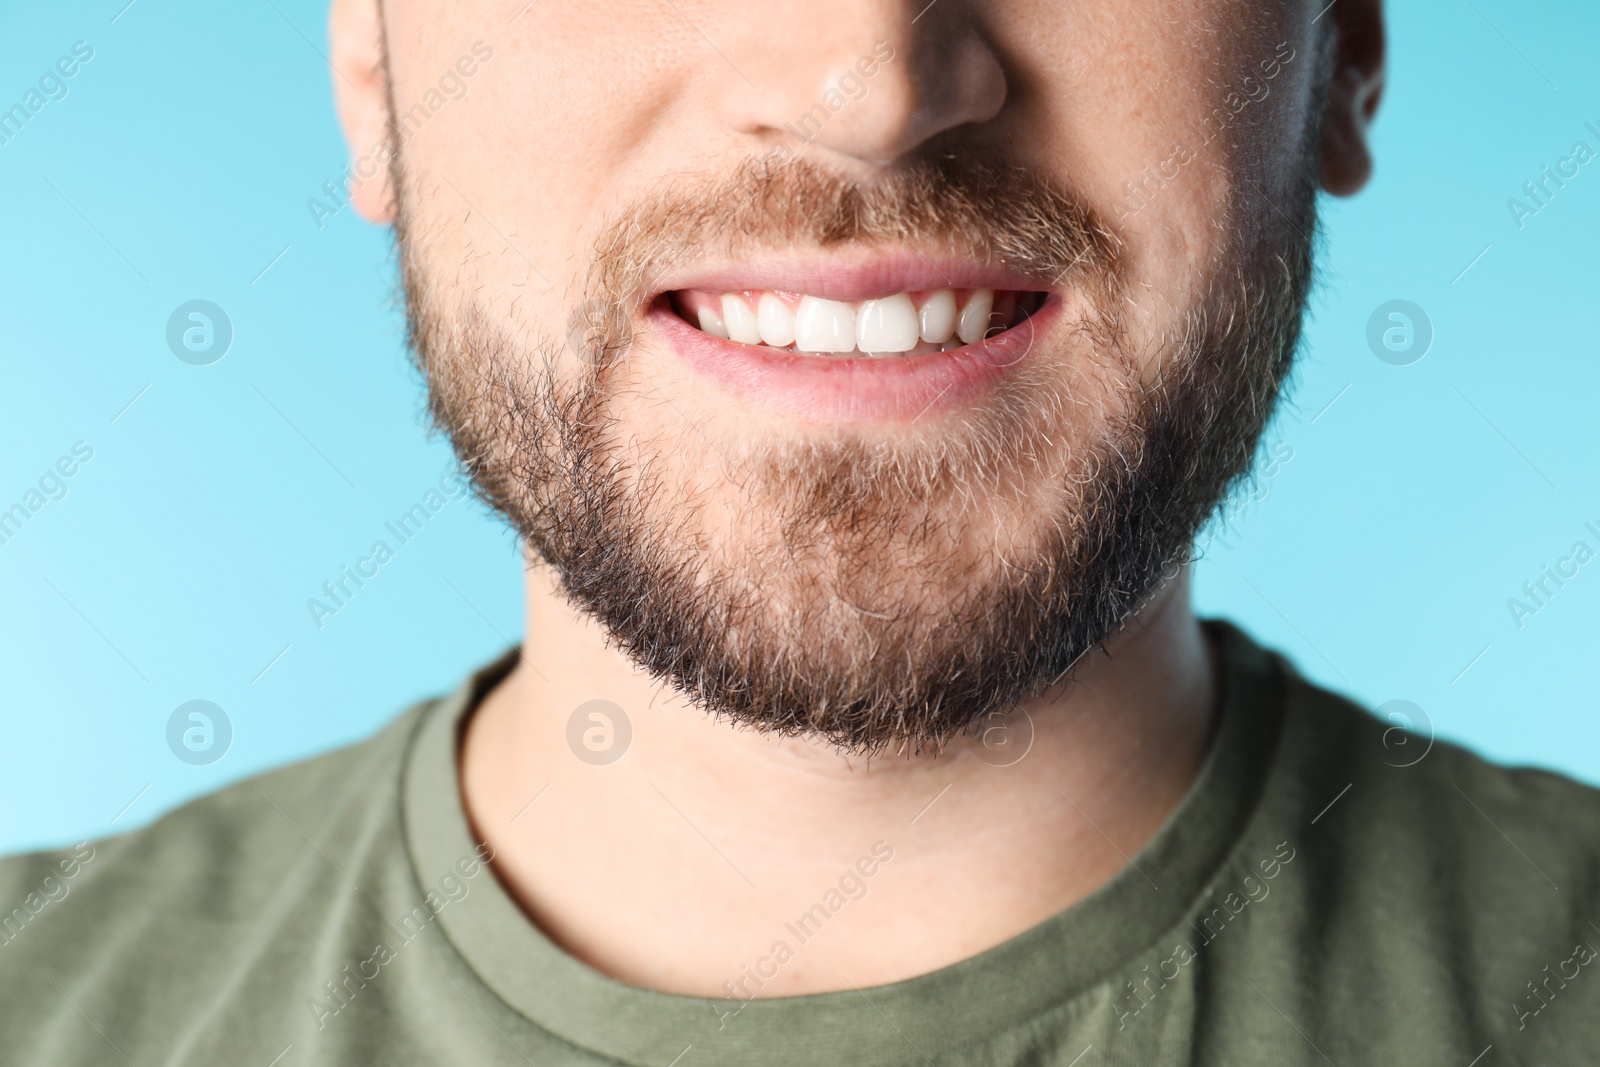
{"x":683,"y":865}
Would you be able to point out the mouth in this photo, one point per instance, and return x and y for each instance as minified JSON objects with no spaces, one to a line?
{"x":885,"y":339}
{"x":906,"y":323}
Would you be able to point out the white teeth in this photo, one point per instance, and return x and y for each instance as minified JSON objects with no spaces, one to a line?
{"x":974,"y":321}
{"x":937,"y":318}
{"x":887,"y":325}
{"x":776,"y":321}
{"x":711,"y":322}
{"x":740,"y":320}
{"x":824,"y":326}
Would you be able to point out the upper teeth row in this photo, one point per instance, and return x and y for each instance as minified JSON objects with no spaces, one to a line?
{"x":890,"y":324}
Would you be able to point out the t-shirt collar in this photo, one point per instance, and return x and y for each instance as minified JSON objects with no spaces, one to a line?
{"x":1044,"y":969}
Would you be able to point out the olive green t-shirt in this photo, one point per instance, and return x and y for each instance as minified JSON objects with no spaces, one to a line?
{"x":1330,"y":891}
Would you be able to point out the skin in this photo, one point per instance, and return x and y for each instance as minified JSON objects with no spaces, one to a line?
{"x":675,"y":866}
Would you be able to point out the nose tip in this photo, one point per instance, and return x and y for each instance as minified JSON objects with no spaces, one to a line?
{"x":927,"y":86}
{"x":879,"y":86}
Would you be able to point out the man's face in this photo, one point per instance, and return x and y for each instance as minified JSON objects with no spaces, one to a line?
{"x":649,"y":249}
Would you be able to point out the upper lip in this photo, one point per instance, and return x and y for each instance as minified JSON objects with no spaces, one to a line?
{"x":851,"y":276}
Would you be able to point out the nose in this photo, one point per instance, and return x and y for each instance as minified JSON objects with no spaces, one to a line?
{"x":869,"y":80}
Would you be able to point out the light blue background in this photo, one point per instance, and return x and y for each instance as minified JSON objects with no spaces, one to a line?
{"x":1381,"y":555}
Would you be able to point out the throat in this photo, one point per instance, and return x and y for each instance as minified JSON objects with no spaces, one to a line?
{"x":682,"y":865}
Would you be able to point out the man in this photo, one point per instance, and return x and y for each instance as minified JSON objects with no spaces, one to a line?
{"x":859,"y":377}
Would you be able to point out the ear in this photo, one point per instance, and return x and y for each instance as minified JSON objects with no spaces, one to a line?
{"x":360,"y":90}
{"x":1354,"y":87}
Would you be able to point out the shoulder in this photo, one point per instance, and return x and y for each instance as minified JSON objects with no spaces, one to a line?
{"x":1398,"y":781}
{"x":1437,"y":887}
{"x":170,"y":914}
{"x":208,"y":837}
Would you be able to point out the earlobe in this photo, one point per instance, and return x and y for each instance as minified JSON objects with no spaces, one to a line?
{"x":360,"y":89}
{"x":1354,"y":88}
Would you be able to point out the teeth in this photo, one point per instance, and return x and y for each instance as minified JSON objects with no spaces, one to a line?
{"x":887,"y":325}
{"x":740,"y":320}
{"x":776,"y":321}
{"x":711,"y":322}
{"x":824,"y":326}
{"x":901,"y":324}
{"x":974,"y":321}
{"x":937,"y":319}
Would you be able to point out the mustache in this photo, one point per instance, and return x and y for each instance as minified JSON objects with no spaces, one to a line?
{"x":1003,"y":215}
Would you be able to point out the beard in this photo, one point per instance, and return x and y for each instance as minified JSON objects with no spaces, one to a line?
{"x":875,"y":590}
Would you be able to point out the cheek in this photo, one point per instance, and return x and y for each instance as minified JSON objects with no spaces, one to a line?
{"x":510,"y":183}
{"x":1141,"y":128}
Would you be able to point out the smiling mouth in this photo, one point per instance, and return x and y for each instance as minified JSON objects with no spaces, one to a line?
{"x":908,"y":323}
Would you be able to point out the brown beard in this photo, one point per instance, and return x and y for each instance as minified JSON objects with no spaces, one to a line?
{"x":875,"y":593}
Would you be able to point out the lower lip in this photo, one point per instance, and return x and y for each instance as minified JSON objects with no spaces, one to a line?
{"x":835,"y":389}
